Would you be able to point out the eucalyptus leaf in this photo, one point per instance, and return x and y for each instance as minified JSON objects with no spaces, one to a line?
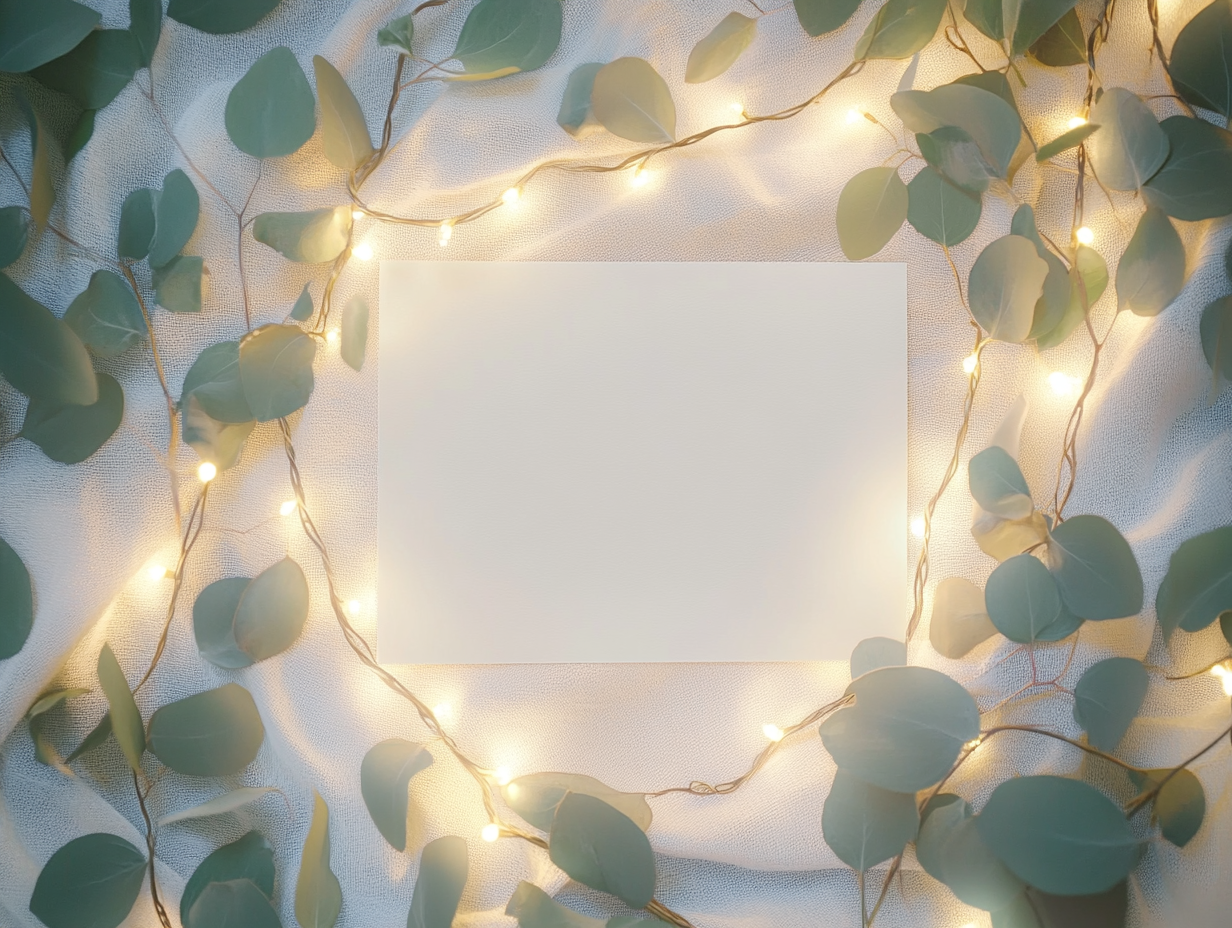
{"x":220,"y":805}
{"x":91,"y":881}
{"x":354,"y":331}
{"x":631,"y":100}
{"x":16,"y":602}
{"x":1023,"y":601}
{"x":1215,"y":331}
{"x":32,"y":34}
{"x":97,"y":736}
{"x":954,"y":153}
{"x":1071,"y":138}
{"x":69,"y":434}
{"x":986,"y":16}
{"x":384,"y":777}
{"x":865,"y":825}
{"x":1107,"y":699}
{"x":998,"y":485}
{"x":318,"y":895}
{"x":821,"y":16}
{"x":272,"y":610}
{"x":439,"y":885}
{"x":214,"y":380}
{"x":941,"y":210}
{"x":232,"y":904}
{"x":1005,"y":283}
{"x":312,"y":237}
{"x":211,"y":734}
{"x":303,"y":309}
{"x":250,"y":858}
{"x":270,"y":112}
{"x":536,"y":796}
{"x":137,"y":224}
{"x":176,"y":211}
{"x":533,"y":908}
{"x":1088,"y":278}
{"x":905,"y":730}
{"x":937,"y":823}
{"x":397,"y":33}
{"x":276,"y":370}
{"x":79,"y":138}
{"x":214,"y":622}
{"x":126,"y":721}
{"x":42,"y":188}
{"x":1060,"y":835}
{"x":959,"y":620}
{"x":344,"y":133}
{"x":872,"y":653}
{"x":106,"y":315}
{"x":1180,"y":805}
{"x":990,"y":121}
{"x":720,"y":48}
{"x":14,"y":234}
{"x":146,"y":24}
{"x":1063,"y":44}
{"x":220,"y":17}
{"x":180,"y":285}
{"x":1151,"y":272}
{"x":96,"y":70}
{"x":1199,"y":583}
{"x":1034,"y":19}
{"x":899,"y":29}
{"x":1109,"y":909}
{"x":1201,"y":61}
{"x":1130,"y":146}
{"x":1053,"y":304}
{"x":220,"y":443}
{"x":502,"y":34}
{"x":951,"y":850}
{"x":1095,"y":569}
{"x":576,"y":116}
{"x":602,"y":848}
{"x":1195,"y":182}
{"x":871,"y":208}
{"x":49,"y":699}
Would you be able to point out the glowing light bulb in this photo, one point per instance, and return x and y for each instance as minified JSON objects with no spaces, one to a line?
{"x":155,"y":572}
{"x":972,"y":744}
{"x":1063,"y":384}
{"x":738,"y":109}
{"x":354,"y":606}
{"x":917,"y":526}
{"x":1085,"y":236}
{"x":444,"y":234}
{"x":503,"y":775}
{"x":443,"y":711}
{"x":772,"y":731}
{"x":363,"y":251}
{"x":288,"y":507}
{"x":970,"y":362}
{"x":1075,"y":122}
{"x":332,"y":336}
{"x":853,"y":116}
{"x":358,"y":214}
{"x":207,"y":472}
{"x":511,"y":196}
{"x":1225,"y":676}
{"x":490,"y":832}
{"x":640,"y":176}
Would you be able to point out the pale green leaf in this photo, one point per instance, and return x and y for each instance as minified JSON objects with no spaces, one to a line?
{"x":137,"y":224}
{"x":220,"y":17}
{"x":1035,"y":909}
{"x":602,"y":848}
{"x":211,"y":734}
{"x":42,"y":189}
{"x":33,"y":33}
{"x":96,"y":70}
{"x":1024,"y":603}
{"x":354,"y":332}
{"x":271,"y":112}
{"x":176,"y":210}
{"x":92,"y":881}
{"x":125,"y":717}
{"x":106,"y":315}
{"x":1107,"y":699}
{"x":1095,"y":569}
{"x":821,"y":16}
{"x":232,"y":904}
{"x":1215,"y":332}
{"x":941,"y":815}
{"x":991,"y":123}
{"x":959,"y":620}
{"x":576,"y":116}
{"x":214,"y":622}
{"x":536,"y":796}
{"x":181,"y":284}
{"x":276,"y":370}
{"x":70,"y":434}
{"x":49,"y":699}
{"x":398,"y":33}
{"x":249,"y":858}
{"x":939,"y":209}
{"x":384,"y":777}
{"x":998,"y":485}
{"x":1063,"y":44}
{"x":1130,"y":146}
{"x":1201,"y":60}
{"x":220,"y":443}
{"x":272,"y":610}
{"x":1199,"y":583}
{"x":16,"y":602}
{"x":214,"y":379}
{"x":865,"y":825}
{"x":871,"y":208}
{"x":1151,"y":272}
{"x":951,"y":850}
{"x":953,"y":152}
{"x":312,"y":237}
{"x":14,"y":234}
{"x":501,"y":34}
{"x":1071,"y":138}
{"x":439,"y":884}
{"x":1180,"y":805}
{"x":318,"y":895}
{"x":872,"y":653}
{"x":720,"y":48}
{"x":900,"y":29}
{"x":146,"y":24}
{"x":1005,"y":283}
{"x":631,"y":100}
{"x":219,"y":805}
{"x":344,"y":133}
{"x":533,"y":908}
{"x":1195,"y":182}
{"x":1034,"y":19}
{"x":986,"y":16}
{"x":1088,"y":278}
{"x":303,"y":309}
{"x":97,"y":736}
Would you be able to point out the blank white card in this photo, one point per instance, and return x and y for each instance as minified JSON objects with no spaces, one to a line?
{"x":640,"y":462}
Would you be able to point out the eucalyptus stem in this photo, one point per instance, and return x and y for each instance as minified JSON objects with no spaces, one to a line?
{"x":150,"y":842}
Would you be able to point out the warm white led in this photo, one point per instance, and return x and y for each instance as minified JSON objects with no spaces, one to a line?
{"x":1075,"y":122}
{"x":972,"y":744}
{"x":332,"y":336}
{"x":490,"y":832}
{"x":503,"y":775}
{"x":1225,"y":677}
{"x":363,"y":251}
{"x":738,"y":109}
{"x":511,"y":196}
{"x":207,"y":472}
{"x":443,"y":711}
{"x":1085,"y":236}
{"x":970,"y":362}
{"x":772,"y":731}
{"x":354,"y":606}
{"x":1064,"y":384}
{"x":917,"y":526}
{"x":640,"y":176}
{"x":444,"y":234}
{"x":853,"y":116}
{"x":288,"y":507}
{"x":358,"y":214}
{"x":155,"y":572}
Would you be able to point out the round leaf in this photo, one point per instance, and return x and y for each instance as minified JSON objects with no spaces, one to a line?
{"x":312,"y":237}
{"x":535,"y":797}
{"x":70,"y":434}
{"x":96,"y":70}
{"x":503,"y":34}
{"x":91,"y":882}
{"x":872,"y":653}
{"x":318,"y":895}
{"x":213,"y":622}
{"x":39,"y":354}
{"x":1130,"y":146}
{"x":32,"y":34}
{"x":871,"y":209}
{"x":354,"y":332}
{"x":533,"y":908}
{"x":211,"y":734}
{"x":232,"y":904}
{"x":905,"y":730}
{"x":276,"y":370}
{"x":631,"y":100}
{"x":14,"y":234}
{"x":250,"y":858}
{"x":1090,"y":273}
{"x":941,"y":210}
{"x":576,"y":116}
{"x":938,"y":823}
{"x":176,"y":211}
{"x":137,"y":224}
{"x":220,"y":17}
{"x":271,"y":111}
{"x":1023,"y":601}
{"x":1095,"y":569}
{"x":1062,"y":45}
{"x":1005,"y":283}
{"x":821,"y":16}
{"x":272,"y":610}
{"x":1199,"y":582}
{"x":1107,"y":699}
{"x":990,"y":122}
{"x":900,"y":29}
{"x":865,"y":825}
{"x":1034,"y":18}
{"x":344,"y":133}
{"x":602,"y":848}
{"x":1059,"y":835}
{"x":106,"y":315}
{"x":439,"y":885}
{"x":1196,"y":181}
{"x":179,"y":285}
{"x":214,"y":380}
{"x":16,"y":602}
{"x":951,"y":850}
{"x":384,"y":777}
{"x":720,"y":48}
{"x":1151,"y":272}
{"x":220,"y":443}
{"x":1201,"y":62}
{"x":959,"y":621}
{"x":397,"y":33}
{"x":998,"y":485}
{"x":1180,"y":805}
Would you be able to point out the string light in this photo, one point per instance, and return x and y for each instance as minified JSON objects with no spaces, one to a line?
{"x":1225,"y":676}
{"x":354,"y":607}
{"x":363,"y":251}
{"x":358,"y":214}
{"x":1085,"y":236}
{"x":1075,"y":122}
{"x":502,"y":775}
{"x":970,"y":362}
{"x":288,"y":507}
{"x":332,"y":336}
{"x":772,"y":731}
{"x":1063,"y":384}
{"x":640,"y":176}
{"x":490,"y":832}
{"x":511,"y":196}
{"x":445,"y":233}
{"x":443,"y":711}
{"x":854,"y":115}
{"x":155,"y":572}
{"x":917,"y":526}
{"x":207,"y":472}
{"x":973,"y":743}
{"x":738,"y":109}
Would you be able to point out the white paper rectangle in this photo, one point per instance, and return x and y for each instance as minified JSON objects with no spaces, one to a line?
{"x":640,"y":462}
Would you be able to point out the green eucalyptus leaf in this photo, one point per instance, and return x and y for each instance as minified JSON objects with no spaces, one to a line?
{"x":98,"y":735}
{"x":16,"y":602}
{"x":938,"y":822}
{"x":536,"y":796}
{"x":79,"y":138}
{"x":69,"y":434}
{"x":1215,"y":331}
{"x":576,"y":116}
{"x":1071,"y":138}
{"x":96,"y":70}
{"x":42,"y":188}
{"x":1052,"y":306}
{"x":986,"y":16}
{"x":1130,"y":146}
{"x":1034,"y":19}
{"x":137,"y":224}
{"x":905,"y":730}
{"x":92,"y":881}
{"x":1107,"y":700}
{"x":106,"y":315}
{"x":303,"y":309}
{"x":602,"y":848}
{"x":384,"y":777}
{"x":32,"y":34}
{"x":318,"y":894}
{"x":1063,"y":44}
{"x":990,"y":121}
{"x":1151,"y":272}
{"x":211,"y":734}
{"x":439,"y":885}
{"x":219,"y":805}
{"x":998,"y":485}
{"x":872,"y":653}
{"x":959,"y":620}
{"x":900,"y":29}
{"x":272,"y":610}
{"x":1088,"y":273}
{"x":1196,"y":181}
{"x":504,"y":34}
{"x":1005,"y":283}
{"x":214,"y":622}
{"x":865,"y":825}
{"x":632,"y":921}
{"x":1180,"y":805}
{"x":720,"y":48}
{"x":51,"y":698}
{"x":821,"y":16}
{"x":871,"y":208}
{"x":276,"y":370}
{"x":1199,"y":583}
{"x":1095,"y":569}
{"x":14,"y":234}
{"x":1060,"y":835}
{"x":398,"y":33}
{"x":176,"y":211}
{"x":1108,"y":909}
{"x":270,"y":111}
{"x":631,"y":100}
{"x":232,"y":904}
{"x":344,"y":133}
{"x":1024,"y":603}
{"x":941,"y":210}
{"x":146,"y":24}
{"x":951,"y":850}
{"x":180,"y":285}
{"x":250,"y":858}
{"x":125,"y":717}
{"x":220,"y":443}
{"x":955,"y":154}
{"x":214,"y":379}
{"x":312,"y":237}
{"x":1201,"y":61}
{"x":533,"y":908}
{"x":354,"y":332}
{"x":220,"y":17}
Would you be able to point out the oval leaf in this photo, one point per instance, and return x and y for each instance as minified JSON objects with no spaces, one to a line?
{"x":959,"y":621}
{"x":872,"y":653}
{"x":137,"y":224}
{"x":1107,"y":700}
{"x":1130,"y":146}
{"x":821,"y":16}
{"x":1180,"y":804}
{"x":14,"y":234}
{"x":1087,"y":280}
{"x":1005,"y":283}
{"x":1198,"y":582}
{"x":576,"y":116}
{"x":439,"y":885}
{"x":535,"y":797}
{"x":125,"y":717}
{"x":176,"y":211}
{"x":39,"y":354}
{"x":354,"y":332}
{"x":900,"y":29}
{"x":303,"y":309}
{"x":42,"y":188}
{"x":106,"y":315}
{"x":998,"y":485}
{"x":250,"y":858}
{"x":397,"y":33}
{"x":987,"y":119}
{"x":509,"y":35}
{"x":211,"y":734}
{"x":951,"y":850}
{"x":1062,"y":45}
{"x":1215,"y":332}
{"x":312,"y":237}
{"x":179,"y":285}
{"x":227,"y":802}
{"x":70,"y":434}
{"x":533,"y":908}
{"x":232,"y":904}
{"x":318,"y":895}
{"x":1024,"y":604}
{"x":1151,"y":272}
{"x":16,"y":602}
{"x":384,"y":777}
{"x":93,"y":880}
{"x":1201,"y":62}
{"x":271,"y":111}
{"x":1095,"y":569}
{"x":272,"y":610}
{"x":344,"y":133}
{"x":1196,"y":181}
{"x":220,"y":443}
{"x":602,"y":848}
{"x":865,"y":825}
{"x":631,"y":100}
{"x":220,"y":17}
{"x":939,"y":209}
{"x":719,"y":50}
{"x":96,"y":70}
{"x":871,"y":208}
{"x":1071,"y":138}
{"x":276,"y":370}
{"x":214,"y":622}
{"x":32,"y":34}
{"x":214,"y":380}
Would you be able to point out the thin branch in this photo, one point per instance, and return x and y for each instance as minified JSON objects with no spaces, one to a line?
{"x":159,"y":908}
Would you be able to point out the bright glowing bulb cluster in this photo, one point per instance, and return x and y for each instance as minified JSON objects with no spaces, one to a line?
{"x":511,"y":196}
{"x":490,"y":832}
{"x":155,"y":572}
{"x":207,"y":472}
{"x":288,"y":507}
{"x":444,"y":234}
{"x":1075,"y":122}
{"x":970,"y":362}
{"x":1064,"y":384}
{"x":363,"y":251}
{"x":917,"y":526}
{"x":1225,"y":676}
{"x":1085,"y":236}
{"x":772,"y":731}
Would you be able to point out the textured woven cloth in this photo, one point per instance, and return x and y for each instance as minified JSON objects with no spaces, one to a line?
{"x":1154,"y":458}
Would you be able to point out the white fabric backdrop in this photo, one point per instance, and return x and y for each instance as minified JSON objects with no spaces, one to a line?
{"x":1155,"y":460}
